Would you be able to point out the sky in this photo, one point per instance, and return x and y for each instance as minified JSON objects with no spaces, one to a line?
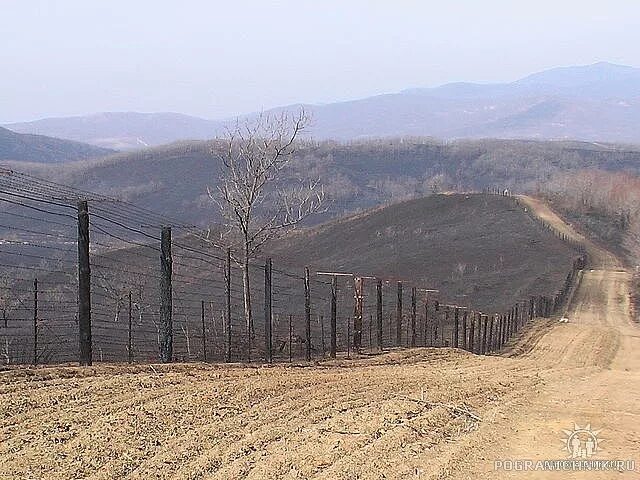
{"x":217,"y":59}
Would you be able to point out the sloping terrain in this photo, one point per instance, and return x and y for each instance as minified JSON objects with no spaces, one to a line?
{"x":41,"y":149}
{"x":173,"y":179}
{"x":479,"y":250}
{"x":421,"y":413}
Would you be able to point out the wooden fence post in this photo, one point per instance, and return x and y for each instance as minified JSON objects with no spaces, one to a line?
{"x":426,"y":323}
{"x":413,"y":316}
{"x":268,"y":344}
{"x":358,"y":284}
{"x":464,"y":330}
{"x":204,"y":332}
{"x":228,"y":304}
{"x":514,"y":321}
{"x":348,"y":338}
{"x":334,"y":297}
{"x":436,"y":322}
{"x":491,"y":337}
{"x":166,"y":320}
{"x":290,"y":336}
{"x":399,"y":316}
{"x":379,"y":313}
{"x":130,"y":332}
{"x":472,"y":333}
{"x":84,"y":285}
{"x":456,"y":327}
{"x":446,"y":322}
{"x":35,"y":321}
{"x":307,"y":313}
{"x":483,"y":322}
{"x":324,"y":347}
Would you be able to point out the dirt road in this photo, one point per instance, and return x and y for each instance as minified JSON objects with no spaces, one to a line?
{"x":589,"y":368}
{"x":422,"y":413}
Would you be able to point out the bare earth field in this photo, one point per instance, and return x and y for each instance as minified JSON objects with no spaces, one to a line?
{"x":421,"y":413}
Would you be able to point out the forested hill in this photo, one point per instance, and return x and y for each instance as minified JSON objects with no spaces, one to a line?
{"x":38,"y":148}
{"x":173,"y":179}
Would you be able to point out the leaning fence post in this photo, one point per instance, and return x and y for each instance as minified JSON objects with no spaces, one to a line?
{"x":399,"y":316}
{"x":268,"y":345}
{"x":379,"y":313}
{"x":35,"y":321}
{"x":228,"y":303}
{"x":84,"y":285}
{"x":413,"y":316}
{"x":334,"y":309}
{"x":307,"y":313}
{"x":130,"y":333}
{"x":166,"y":320}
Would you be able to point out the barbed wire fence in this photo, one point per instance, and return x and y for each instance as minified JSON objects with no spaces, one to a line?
{"x":87,"y":278}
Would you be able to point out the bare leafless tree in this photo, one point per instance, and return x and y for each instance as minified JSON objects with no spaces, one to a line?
{"x":255,"y":201}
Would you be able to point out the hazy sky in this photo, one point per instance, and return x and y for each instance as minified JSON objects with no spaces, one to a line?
{"x":220,"y":58}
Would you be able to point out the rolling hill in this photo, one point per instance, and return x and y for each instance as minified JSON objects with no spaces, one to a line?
{"x":599,"y":102}
{"x":480,"y":250}
{"x":173,"y":179}
{"x":41,"y":149}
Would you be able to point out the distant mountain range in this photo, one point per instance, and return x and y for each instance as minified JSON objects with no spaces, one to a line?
{"x":41,"y":149}
{"x":599,"y":102}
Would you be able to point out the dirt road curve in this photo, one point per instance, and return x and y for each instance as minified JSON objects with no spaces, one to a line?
{"x":422,"y":413}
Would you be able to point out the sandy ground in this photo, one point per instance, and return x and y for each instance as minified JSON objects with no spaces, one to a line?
{"x":421,"y":413}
